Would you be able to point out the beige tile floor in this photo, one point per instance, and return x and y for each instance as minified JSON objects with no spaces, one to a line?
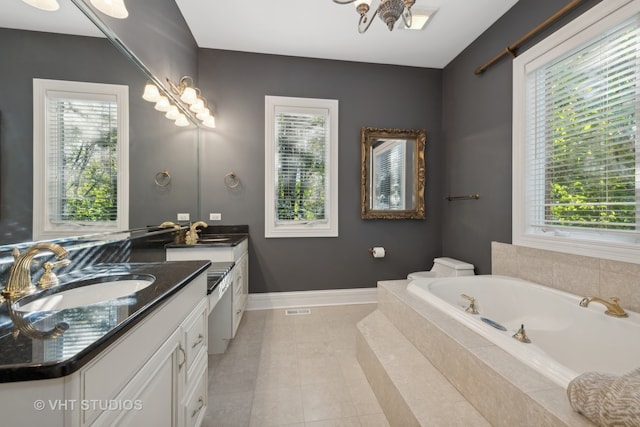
{"x":294,"y":371}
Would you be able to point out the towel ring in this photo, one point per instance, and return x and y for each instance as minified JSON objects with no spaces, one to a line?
{"x":231,"y":180}
{"x":162,"y":178}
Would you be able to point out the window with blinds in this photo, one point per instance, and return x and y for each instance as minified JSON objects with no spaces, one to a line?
{"x":81,"y":171}
{"x":300,"y":167}
{"x":388,"y":184}
{"x":576,"y":141}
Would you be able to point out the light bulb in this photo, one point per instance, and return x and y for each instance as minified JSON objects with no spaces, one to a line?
{"x":151,"y":93}
{"x":182,"y":121}
{"x":49,"y":5}
{"x":202,"y":115}
{"x":210,"y":122}
{"x":197,"y":106}
{"x":113,"y":8}
{"x":173,"y":113}
{"x":163,"y":104}
{"x":189,"y":95}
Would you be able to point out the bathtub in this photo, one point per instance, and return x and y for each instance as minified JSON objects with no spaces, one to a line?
{"x":566,"y":339}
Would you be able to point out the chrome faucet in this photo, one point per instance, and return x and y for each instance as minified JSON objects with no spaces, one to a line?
{"x":192,"y":234}
{"x":19,"y":282}
{"x":613,"y":305}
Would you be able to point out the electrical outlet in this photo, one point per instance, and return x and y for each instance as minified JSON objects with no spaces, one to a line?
{"x":183,"y":217}
{"x":215,"y":217}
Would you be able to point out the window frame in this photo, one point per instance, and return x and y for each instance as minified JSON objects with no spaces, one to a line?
{"x":593,"y":22}
{"x":284,"y":229}
{"x":43,"y":228}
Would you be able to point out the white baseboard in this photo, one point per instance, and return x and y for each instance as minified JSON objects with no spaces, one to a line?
{"x":272,"y":300}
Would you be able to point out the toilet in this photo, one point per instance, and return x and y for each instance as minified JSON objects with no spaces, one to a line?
{"x":445,"y":267}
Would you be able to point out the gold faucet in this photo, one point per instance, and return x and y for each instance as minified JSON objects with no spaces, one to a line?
{"x":613,"y":305}
{"x":192,"y":234}
{"x":169,"y":224}
{"x":19,"y":282}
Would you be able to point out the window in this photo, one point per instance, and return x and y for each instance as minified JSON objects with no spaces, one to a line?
{"x":81,"y":153}
{"x":576,"y":142}
{"x":389,"y":164}
{"x":301,"y":167}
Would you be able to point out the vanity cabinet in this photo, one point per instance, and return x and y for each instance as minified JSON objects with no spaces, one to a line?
{"x":161,"y":387}
{"x":154,"y":374}
{"x":239,"y":254}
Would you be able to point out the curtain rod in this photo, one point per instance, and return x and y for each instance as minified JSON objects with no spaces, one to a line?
{"x":511,"y":49}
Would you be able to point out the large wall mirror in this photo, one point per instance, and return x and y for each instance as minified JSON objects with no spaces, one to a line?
{"x":35,"y":46}
{"x":393,"y":174}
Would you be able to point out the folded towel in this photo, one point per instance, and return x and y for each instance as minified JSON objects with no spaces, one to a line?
{"x":607,"y":400}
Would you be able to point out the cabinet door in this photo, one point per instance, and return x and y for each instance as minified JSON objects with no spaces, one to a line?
{"x":150,"y":398}
{"x":155,"y":403}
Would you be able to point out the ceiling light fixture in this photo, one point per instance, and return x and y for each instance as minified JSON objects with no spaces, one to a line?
{"x":49,"y":5}
{"x":419,"y":19}
{"x":388,"y":10}
{"x":113,"y":8}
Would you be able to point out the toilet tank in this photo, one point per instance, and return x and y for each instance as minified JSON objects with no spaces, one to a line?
{"x":449,"y":267}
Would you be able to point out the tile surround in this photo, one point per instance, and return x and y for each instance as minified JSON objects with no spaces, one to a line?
{"x":580,"y":275}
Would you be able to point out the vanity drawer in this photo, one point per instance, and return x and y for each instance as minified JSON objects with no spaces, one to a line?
{"x":195,"y":403}
{"x":195,"y":335}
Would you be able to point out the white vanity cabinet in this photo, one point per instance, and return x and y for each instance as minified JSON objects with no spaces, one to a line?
{"x":162,"y":387}
{"x":154,"y":374}
{"x":239,"y":254}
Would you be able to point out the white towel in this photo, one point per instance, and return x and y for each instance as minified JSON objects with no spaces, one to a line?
{"x":607,"y":400}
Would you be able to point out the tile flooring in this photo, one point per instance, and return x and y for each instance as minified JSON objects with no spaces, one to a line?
{"x":293,"y":371}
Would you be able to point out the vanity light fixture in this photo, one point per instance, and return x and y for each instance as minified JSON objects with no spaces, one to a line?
{"x":163,"y":104}
{"x":191,"y":95}
{"x":151,"y":92}
{"x":389,"y":12}
{"x":182,"y":121}
{"x":48,"y":5}
{"x":173,"y":113}
{"x":113,"y":8}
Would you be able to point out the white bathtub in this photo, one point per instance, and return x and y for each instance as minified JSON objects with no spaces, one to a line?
{"x":566,"y":339}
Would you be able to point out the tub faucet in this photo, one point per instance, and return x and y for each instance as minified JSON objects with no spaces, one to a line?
{"x":472,"y":309}
{"x":19,"y":282}
{"x":192,"y":234}
{"x":613,"y":305}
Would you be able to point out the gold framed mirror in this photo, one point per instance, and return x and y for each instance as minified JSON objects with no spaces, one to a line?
{"x":393,"y":173}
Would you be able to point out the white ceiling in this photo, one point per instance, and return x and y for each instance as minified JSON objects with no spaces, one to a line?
{"x":305,"y":28}
{"x":324,"y":29}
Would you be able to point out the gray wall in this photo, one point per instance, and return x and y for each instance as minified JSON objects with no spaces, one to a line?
{"x":369,"y":95}
{"x":477,"y":132}
{"x":155,"y":142}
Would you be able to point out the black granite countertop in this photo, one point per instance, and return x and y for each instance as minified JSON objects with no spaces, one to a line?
{"x":213,"y":240}
{"x":91,"y":328}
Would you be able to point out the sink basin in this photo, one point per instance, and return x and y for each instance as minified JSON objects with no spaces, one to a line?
{"x":94,"y":291}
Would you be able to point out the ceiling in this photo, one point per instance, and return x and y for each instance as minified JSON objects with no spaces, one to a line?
{"x":324,"y":29}
{"x":305,"y":28}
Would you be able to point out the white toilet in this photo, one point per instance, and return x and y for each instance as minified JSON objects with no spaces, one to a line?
{"x":445,"y":267}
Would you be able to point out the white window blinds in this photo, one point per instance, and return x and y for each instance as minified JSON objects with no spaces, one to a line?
{"x":582,"y":137}
{"x":83,"y":158}
{"x":301,"y":160}
{"x":388,"y":175}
